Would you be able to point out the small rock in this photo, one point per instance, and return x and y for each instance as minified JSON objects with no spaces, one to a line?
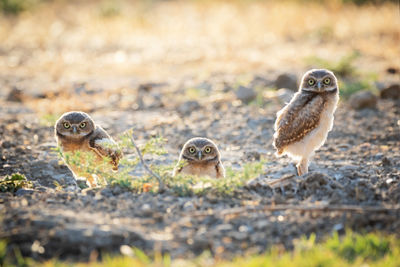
{"x":72,"y":189}
{"x":363,"y":99}
{"x":245,"y":94}
{"x":117,"y":190}
{"x":240,"y":236}
{"x":15,"y":95}
{"x":188,"y":206}
{"x":89,"y":191}
{"x":224,"y":227}
{"x":252,"y":155}
{"x":390,"y":92}
{"x":146,"y":209}
{"x":23,"y":192}
{"x":261,"y":81}
{"x":287,"y":80}
{"x":386,"y":162}
{"x":6,"y":144}
{"x":394,"y":193}
{"x":188,"y":107}
{"x":106,"y":192}
{"x":392,"y":70}
{"x":314,"y":181}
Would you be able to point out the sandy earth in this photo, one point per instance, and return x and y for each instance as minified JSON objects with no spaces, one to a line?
{"x":359,"y":166}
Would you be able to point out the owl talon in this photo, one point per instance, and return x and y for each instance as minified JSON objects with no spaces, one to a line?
{"x":302,"y":167}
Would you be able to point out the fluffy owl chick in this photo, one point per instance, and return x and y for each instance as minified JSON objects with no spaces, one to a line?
{"x":76,"y":131}
{"x":200,"y":157}
{"x":303,"y":124}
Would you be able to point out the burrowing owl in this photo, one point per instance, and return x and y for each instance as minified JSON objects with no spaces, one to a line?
{"x":200,"y":157}
{"x":302,"y":125}
{"x":76,"y":131}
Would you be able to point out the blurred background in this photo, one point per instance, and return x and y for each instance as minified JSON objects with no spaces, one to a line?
{"x":69,"y":48}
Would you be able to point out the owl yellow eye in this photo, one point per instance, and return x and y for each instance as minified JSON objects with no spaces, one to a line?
{"x":66,"y":125}
{"x":207,"y":149}
{"x":192,"y":150}
{"x":82,"y":125}
{"x":311,"y":82}
{"x":327,"y":81}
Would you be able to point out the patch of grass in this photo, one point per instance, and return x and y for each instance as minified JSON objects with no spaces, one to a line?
{"x":86,"y":164}
{"x":374,"y":249}
{"x":110,"y":8}
{"x":14,"y":7}
{"x":48,"y":120}
{"x":344,"y":67}
{"x":347,"y":88}
{"x":186,"y":185}
{"x":195,"y":93}
{"x":369,"y":247}
{"x":14,"y":182}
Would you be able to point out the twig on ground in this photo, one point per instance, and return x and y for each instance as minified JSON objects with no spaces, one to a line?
{"x":161,"y":185}
{"x":278,"y":182}
{"x":309,"y":208}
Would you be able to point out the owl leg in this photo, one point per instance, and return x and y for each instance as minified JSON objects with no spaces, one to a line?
{"x":302,"y":166}
{"x":91,"y":180}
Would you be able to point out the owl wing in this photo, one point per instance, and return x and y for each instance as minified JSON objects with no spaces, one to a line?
{"x":105,"y":146}
{"x":220,"y":170}
{"x":179,"y":166}
{"x":297,"y":119}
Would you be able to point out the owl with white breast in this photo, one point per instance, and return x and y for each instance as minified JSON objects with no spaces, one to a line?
{"x":302,"y":126}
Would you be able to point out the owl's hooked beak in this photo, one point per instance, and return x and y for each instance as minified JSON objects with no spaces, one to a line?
{"x":74,"y":130}
{"x":319,"y":85}
{"x":199,"y":155}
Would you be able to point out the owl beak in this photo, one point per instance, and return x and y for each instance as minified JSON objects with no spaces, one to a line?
{"x":74,"y":130}
{"x":319,"y":85}
{"x":199,"y":155}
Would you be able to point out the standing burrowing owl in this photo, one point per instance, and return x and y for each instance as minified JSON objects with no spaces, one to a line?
{"x":76,"y":131}
{"x":302,"y":125}
{"x":200,"y":157}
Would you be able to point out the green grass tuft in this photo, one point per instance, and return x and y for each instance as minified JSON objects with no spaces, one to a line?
{"x":186,"y":185}
{"x":347,"y":88}
{"x":373,"y":249}
{"x":14,"y":182}
{"x":369,"y":246}
{"x":183,"y":185}
{"x":344,"y":67}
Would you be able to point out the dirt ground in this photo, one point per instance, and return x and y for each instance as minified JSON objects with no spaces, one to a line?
{"x":354,"y":179}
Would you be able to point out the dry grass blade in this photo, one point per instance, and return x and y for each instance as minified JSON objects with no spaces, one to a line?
{"x":161,"y":185}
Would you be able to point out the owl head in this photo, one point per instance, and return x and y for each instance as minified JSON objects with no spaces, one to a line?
{"x":200,"y":149}
{"x":319,"y":81}
{"x":74,"y":124}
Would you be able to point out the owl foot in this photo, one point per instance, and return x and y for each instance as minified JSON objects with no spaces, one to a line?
{"x":302,"y":167}
{"x":91,"y":181}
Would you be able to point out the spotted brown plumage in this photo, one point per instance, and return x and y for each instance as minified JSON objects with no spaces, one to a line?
{"x":303,"y":124}
{"x":298,"y":120}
